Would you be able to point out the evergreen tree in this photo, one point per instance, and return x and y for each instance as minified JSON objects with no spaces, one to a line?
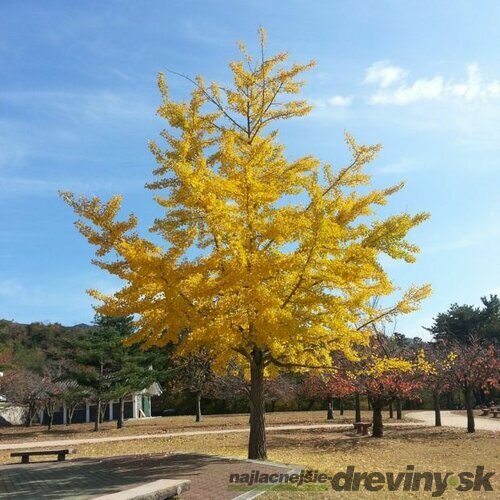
{"x":463,"y":323}
{"x":108,"y":369}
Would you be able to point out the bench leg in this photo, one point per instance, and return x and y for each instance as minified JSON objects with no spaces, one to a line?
{"x":25,"y":459}
{"x":61,"y":457}
{"x":365,"y":431}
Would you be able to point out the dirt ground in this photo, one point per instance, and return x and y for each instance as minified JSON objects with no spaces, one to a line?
{"x":330,"y":451}
{"x":157,"y":425}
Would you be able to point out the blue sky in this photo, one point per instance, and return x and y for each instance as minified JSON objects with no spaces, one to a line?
{"x":78,"y":99}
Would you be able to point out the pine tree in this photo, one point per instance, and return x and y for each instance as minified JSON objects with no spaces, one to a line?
{"x":110,"y":370}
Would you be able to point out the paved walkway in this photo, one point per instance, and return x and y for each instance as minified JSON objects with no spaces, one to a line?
{"x":90,"y":440}
{"x":451,"y":419}
{"x":88,"y":478}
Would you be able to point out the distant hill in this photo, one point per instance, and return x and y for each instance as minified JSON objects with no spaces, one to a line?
{"x":82,"y":326}
{"x":37,"y":345}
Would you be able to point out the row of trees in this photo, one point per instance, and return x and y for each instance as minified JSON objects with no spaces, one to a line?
{"x":98,"y":368}
{"x":94,"y":366}
{"x":465,"y":353}
{"x":392,"y":369}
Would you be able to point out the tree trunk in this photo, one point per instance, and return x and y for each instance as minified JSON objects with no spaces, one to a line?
{"x":391,"y":411}
{"x":120,"y":422}
{"x":437,"y":409}
{"x":450,"y":400}
{"x":50,"y":408}
{"x":257,"y":440}
{"x":369,"y":403}
{"x":273,"y":405}
{"x":470,"y":412}
{"x":399,"y":414}
{"x":357,"y":408}
{"x":329,"y":412}
{"x":97,"y":420}
{"x":31,"y":415}
{"x":198,"y":407}
{"x":102,"y":412}
{"x":341,"y":406}
{"x":71,"y":412}
{"x":378,"y":426}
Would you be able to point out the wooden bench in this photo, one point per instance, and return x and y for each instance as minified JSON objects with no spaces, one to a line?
{"x":25,"y":455}
{"x":362,"y":427}
{"x":495,"y":413}
{"x":485,"y":412}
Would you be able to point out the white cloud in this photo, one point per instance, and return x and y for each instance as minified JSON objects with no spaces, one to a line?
{"x":384,"y":74}
{"x":434,"y":89}
{"x":399,"y":167}
{"x":494,"y":88}
{"x":336,"y":107}
{"x":340,"y":101}
{"x":421,"y":90}
{"x":470,"y":89}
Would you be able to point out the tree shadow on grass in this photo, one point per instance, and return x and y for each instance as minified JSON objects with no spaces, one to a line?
{"x":340,"y":440}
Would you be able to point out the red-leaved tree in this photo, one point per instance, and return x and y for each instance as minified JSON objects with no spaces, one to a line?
{"x":383,"y":388}
{"x":438,"y":379}
{"x":326,"y":386}
{"x":475,"y":366}
{"x":385,"y":374}
{"x":25,"y":388}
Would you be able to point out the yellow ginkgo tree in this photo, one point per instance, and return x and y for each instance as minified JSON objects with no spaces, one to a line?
{"x":267,"y":262}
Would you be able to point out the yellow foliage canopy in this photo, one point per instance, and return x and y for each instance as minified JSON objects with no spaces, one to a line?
{"x":260,"y":251}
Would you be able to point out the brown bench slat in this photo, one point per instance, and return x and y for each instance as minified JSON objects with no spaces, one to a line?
{"x":362,"y":427}
{"x":25,"y":455}
{"x":41,"y":452}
